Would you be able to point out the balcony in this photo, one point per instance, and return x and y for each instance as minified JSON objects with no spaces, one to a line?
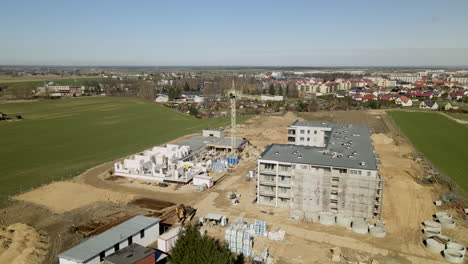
{"x":267,"y":193}
{"x":284,"y":183}
{"x":270,"y":183}
{"x":284,"y":194}
{"x":267,"y":171}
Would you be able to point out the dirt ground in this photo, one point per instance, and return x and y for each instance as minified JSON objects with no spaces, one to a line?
{"x":54,"y":210}
{"x":22,"y":244}
{"x":56,"y":196}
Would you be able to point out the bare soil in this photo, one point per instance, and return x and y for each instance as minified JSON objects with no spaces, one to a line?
{"x":152,"y":204}
{"x":406,"y":202}
{"x":65,"y":196}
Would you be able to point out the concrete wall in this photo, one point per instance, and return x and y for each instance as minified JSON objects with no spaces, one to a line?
{"x":213,"y":133}
{"x":317,"y":188}
{"x":309,"y":136}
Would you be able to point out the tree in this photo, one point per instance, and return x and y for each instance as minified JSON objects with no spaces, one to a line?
{"x":280,"y":91}
{"x":272,"y":89}
{"x":193,"y":111}
{"x":194,"y":248}
{"x":186,"y":86}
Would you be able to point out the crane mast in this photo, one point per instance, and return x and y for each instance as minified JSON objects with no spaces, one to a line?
{"x":232,"y":96}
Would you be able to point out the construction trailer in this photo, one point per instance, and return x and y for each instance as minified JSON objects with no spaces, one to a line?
{"x":326,"y":167}
{"x":167,"y":240}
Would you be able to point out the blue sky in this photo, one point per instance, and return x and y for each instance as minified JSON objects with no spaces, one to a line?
{"x":255,"y":32}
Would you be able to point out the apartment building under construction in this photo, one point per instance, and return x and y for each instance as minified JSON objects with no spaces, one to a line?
{"x":325,"y":167}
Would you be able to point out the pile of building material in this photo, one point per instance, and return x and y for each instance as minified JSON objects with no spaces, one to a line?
{"x":277,"y":235}
{"x":356,"y":224}
{"x":214,"y":219}
{"x":260,"y":228}
{"x":240,"y":235}
{"x":239,"y":240}
{"x":438,"y":243}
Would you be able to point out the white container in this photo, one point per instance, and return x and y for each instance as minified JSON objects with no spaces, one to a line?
{"x":444,"y":239}
{"x":433,"y":225}
{"x":167,"y":240}
{"x":434,"y":245}
{"x":378,"y":230}
{"x":455,"y":246}
{"x":447,"y":223}
{"x":360,"y":226}
{"x":430,"y":232}
{"x":326,"y":218}
{"x":344,"y":220}
{"x":453,"y":256}
{"x":441,"y":215}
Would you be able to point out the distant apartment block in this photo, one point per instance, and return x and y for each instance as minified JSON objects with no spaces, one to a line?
{"x":325,"y":167}
{"x":406,"y":78}
{"x":463,"y":80}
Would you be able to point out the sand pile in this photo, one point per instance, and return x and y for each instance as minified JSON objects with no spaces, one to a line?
{"x":65,"y":196}
{"x":381,"y":139}
{"x":22,"y":244}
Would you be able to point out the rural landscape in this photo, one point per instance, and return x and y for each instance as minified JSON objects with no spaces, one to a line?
{"x":214,"y":132}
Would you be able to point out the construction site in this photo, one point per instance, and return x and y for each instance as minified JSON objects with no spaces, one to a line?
{"x":329,"y":168}
{"x":316,"y":230}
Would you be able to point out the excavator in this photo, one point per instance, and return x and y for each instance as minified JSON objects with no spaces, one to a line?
{"x":185,"y":212}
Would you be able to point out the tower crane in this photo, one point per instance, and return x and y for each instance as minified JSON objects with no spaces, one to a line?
{"x":232,"y":97}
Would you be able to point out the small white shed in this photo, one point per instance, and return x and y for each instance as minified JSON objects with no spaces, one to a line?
{"x":203,"y":180}
{"x":167,"y":240}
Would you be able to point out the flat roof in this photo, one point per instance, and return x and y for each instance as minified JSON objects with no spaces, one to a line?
{"x":197,"y":142}
{"x":93,"y":246}
{"x":349,"y":146}
{"x":312,"y":124}
{"x":129,"y":255}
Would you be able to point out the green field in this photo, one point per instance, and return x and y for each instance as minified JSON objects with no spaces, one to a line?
{"x":461,"y":116}
{"x":443,"y":141}
{"x":31,"y":85}
{"x":62,"y":138}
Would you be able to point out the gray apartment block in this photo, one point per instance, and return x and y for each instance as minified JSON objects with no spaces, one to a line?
{"x":326,"y":167}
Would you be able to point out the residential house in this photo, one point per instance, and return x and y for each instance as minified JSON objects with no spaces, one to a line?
{"x":450,"y":106}
{"x":386,"y":97}
{"x":161,"y":98}
{"x":193,"y":96}
{"x":428,"y":104}
{"x":456,"y":95}
{"x":403,"y":101}
{"x":369,"y":97}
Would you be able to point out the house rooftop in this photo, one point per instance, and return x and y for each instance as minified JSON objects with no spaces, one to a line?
{"x":129,"y":255}
{"x":92,"y":247}
{"x":349,"y":146}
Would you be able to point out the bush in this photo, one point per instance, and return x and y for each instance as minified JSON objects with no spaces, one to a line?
{"x":195,"y":248}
